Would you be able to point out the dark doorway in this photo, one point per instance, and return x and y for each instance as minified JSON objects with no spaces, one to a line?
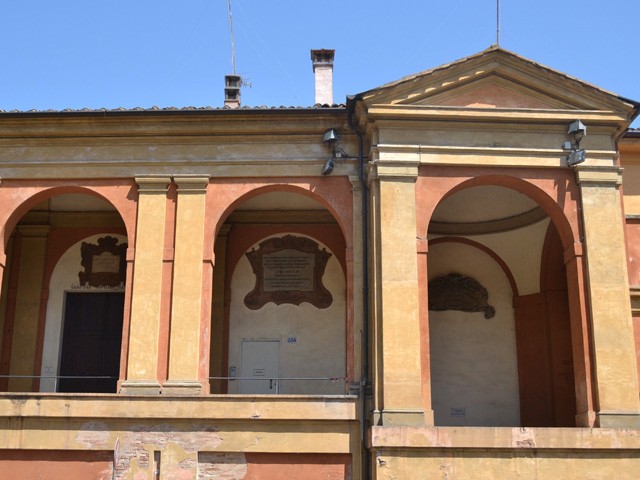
{"x":91,"y":342}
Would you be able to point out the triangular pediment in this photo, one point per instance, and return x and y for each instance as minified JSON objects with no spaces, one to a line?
{"x":493,"y":91}
{"x":495,"y":78}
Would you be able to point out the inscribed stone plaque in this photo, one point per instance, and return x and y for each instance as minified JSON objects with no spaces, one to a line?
{"x":104,"y":264}
{"x":288,"y":269}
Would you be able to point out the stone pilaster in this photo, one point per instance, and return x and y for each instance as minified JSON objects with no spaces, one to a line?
{"x":144,"y":330}
{"x":356,"y":276}
{"x":187,"y":329}
{"x":27,"y":306}
{"x":613,"y":345}
{"x":422,"y":248}
{"x":396,"y":289}
{"x":217,"y":314}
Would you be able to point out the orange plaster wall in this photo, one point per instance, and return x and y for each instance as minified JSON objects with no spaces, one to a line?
{"x":288,"y":466}
{"x":636,"y":334}
{"x":275,"y":466}
{"x":633,"y":266}
{"x":633,"y":251}
{"x":55,"y":465}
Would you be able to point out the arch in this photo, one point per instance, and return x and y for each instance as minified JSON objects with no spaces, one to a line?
{"x":20,"y":196}
{"x":45,"y":192}
{"x":557,"y":193}
{"x":280,"y":187}
{"x":501,"y":263}
{"x":536,"y":186}
{"x":225,"y":195}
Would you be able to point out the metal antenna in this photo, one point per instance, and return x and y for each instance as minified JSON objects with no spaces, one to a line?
{"x":497,"y":22}
{"x":233,"y":48}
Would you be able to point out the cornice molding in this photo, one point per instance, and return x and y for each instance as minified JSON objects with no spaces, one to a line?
{"x":493,"y":115}
{"x":254,"y":217}
{"x":486,"y":156}
{"x":598,"y":176}
{"x":191,"y":183}
{"x":153,"y":184}
{"x":401,"y":170}
{"x":490,"y":226}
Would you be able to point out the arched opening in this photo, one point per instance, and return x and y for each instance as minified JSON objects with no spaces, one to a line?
{"x":279,"y":310}
{"x":499,"y":322}
{"x":62,"y":306}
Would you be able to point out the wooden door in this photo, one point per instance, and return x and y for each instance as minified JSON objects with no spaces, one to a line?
{"x":92,"y":338}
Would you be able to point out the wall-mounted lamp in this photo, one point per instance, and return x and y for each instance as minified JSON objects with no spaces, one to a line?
{"x":577,"y":131}
{"x":330,"y":137}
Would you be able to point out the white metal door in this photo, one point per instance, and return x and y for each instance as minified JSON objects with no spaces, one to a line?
{"x":260,"y":366}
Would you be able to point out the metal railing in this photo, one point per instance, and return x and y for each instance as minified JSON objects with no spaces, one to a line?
{"x":275,"y":383}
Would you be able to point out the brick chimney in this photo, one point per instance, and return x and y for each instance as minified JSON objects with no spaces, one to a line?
{"x":323,"y":71}
{"x":232,"y":91}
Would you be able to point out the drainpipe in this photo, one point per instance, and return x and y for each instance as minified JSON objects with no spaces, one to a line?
{"x":364,"y":380}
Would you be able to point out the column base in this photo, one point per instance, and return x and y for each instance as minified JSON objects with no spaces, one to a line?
{"x":140,"y":387}
{"x":182,"y":387}
{"x":618,"y":419}
{"x":586,"y":419}
{"x":397,"y":418}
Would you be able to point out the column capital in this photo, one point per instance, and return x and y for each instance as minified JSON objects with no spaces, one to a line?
{"x":153,"y":183}
{"x":422,"y":245}
{"x":397,"y":170}
{"x":572,"y":251}
{"x":599,"y":176}
{"x":224,"y":230}
{"x":356,"y":184}
{"x":191,"y":183}
{"x":34,"y":231}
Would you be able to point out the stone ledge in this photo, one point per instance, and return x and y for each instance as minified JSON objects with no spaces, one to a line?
{"x":211,"y":407}
{"x":504,"y":438}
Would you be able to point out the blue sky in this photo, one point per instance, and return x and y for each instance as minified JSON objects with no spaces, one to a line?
{"x":129,"y":53}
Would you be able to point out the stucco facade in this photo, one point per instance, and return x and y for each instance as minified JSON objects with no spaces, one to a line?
{"x":185,"y":294}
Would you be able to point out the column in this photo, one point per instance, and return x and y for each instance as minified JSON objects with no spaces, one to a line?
{"x":613,"y":345}
{"x":217,"y":315}
{"x":355,"y":277}
{"x":396,"y":284}
{"x":4,"y":286}
{"x":187,"y":324}
{"x":574,"y":260}
{"x":27,"y":306}
{"x":144,"y":328}
{"x":422,"y":247}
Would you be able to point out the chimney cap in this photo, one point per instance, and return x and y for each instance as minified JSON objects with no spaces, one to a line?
{"x":322,"y":57}
{"x":232,"y":84}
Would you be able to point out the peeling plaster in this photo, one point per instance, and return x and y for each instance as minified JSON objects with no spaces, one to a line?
{"x":223,"y":466}
{"x":94,"y":435}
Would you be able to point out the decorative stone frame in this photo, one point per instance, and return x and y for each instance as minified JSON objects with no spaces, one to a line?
{"x":457,"y":292}
{"x":318,"y":295}
{"x":92,"y":274}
